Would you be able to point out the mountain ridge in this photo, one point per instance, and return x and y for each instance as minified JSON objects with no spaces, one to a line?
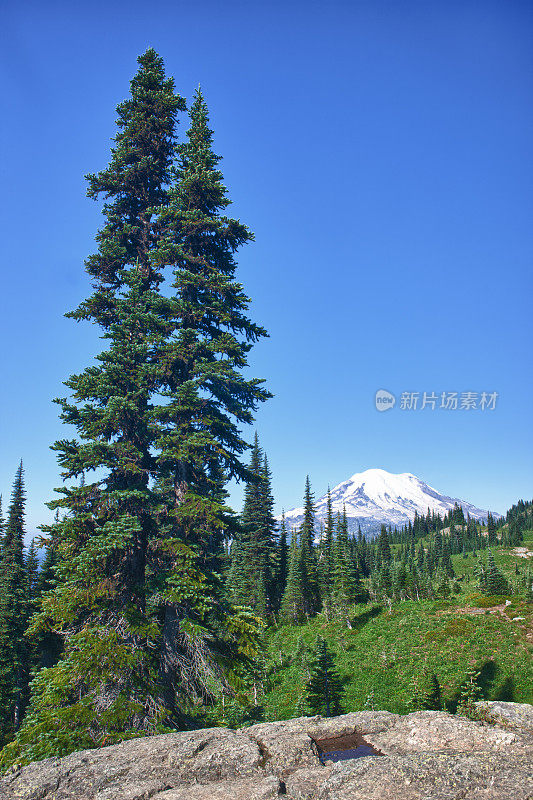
{"x":376,"y":497}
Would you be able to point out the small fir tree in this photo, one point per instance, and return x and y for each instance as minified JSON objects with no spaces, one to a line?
{"x":492,"y":536}
{"x":293,"y":604}
{"x":384,"y":554}
{"x":324,"y":688}
{"x":492,"y":581}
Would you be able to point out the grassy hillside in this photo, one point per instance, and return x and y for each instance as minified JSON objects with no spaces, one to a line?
{"x":389,"y":650}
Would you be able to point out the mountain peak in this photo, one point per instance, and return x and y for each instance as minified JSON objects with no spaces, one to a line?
{"x":375,"y":497}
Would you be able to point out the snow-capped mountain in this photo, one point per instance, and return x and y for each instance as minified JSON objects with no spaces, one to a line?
{"x":375,"y":497}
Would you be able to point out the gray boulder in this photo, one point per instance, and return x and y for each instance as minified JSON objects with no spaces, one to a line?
{"x":514,"y":715}
{"x":427,"y":755}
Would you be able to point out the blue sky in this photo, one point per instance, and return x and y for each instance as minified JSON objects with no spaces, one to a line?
{"x":381,"y":152}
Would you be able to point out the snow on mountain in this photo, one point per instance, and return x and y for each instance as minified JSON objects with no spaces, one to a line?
{"x":375,"y":497}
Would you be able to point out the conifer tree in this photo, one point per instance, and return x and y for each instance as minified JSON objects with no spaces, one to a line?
{"x":384,"y":552}
{"x":2,"y":527}
{"x":346,"y":582}
{"x":32,"y":570}
{"x":324,"y":689}
{"x":492,"y":537}
{"x":46,"y":578}
{"x":48,"y":643}
{"x":445,"y":559}
{"x":443,"y":587}
{"x":150,"y":633}
{"x":399,"y":580}
{"x":200,"y":364}
{"x":14,"y":606}
{"x":255,"y":546}
{"x":309,"y":564}
{"x":255,"y":551}
{"x":325,"y":558}
{"x":281,"y":565}
{"x":385,"y":581}
{"x":429,"y":696}
{"x":294,"y":604}
{"x":103,"y":538}
{"x":493,"y":582}
{"x":238,"y":582}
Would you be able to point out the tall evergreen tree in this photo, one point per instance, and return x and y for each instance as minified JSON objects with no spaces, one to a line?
{"x":14,"y":606}
{"x":281,"y":565}
{"x":309,"y":564}
{"x":2,"y":527}
{"x":270,"y":535}
{"x":103,"y":539}
{"x":326,"y":558}
{"x":150,"y":633}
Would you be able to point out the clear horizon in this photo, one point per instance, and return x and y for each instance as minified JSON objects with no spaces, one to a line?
{"x":382,"y":155}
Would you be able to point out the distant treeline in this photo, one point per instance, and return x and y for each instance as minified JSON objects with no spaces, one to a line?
{"x":288,"y":576}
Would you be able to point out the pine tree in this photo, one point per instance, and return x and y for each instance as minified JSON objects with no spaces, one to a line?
{"x":238,"y":581}
{"x":309,"y":564}
{"x":103,"y":538}
{"x":281,"y":565}
{"x":384,"y":581}
{"x":384,"y":552}
{"x":445,"y":559}
{"x":429,"y":696}
{"x":493,"y":582}
{"x":253,"y":553}
{"x":32,"y":570}
{"x":293,"y":604}
{"x":2,"y":528}
{"x":48,"y":643}
{"x":325,"y":558}
{"x":443,"y":588}
{"x":324,"y":689}
{"x":270,"y":535}
{"x":150,"y":633}
{"x":46,"y":578}
{"x":492,"y":537}
{"x":201,"y":359}
{"x":251,"y":577}
{"x":14,"y":606}
{"x":347,"y":588}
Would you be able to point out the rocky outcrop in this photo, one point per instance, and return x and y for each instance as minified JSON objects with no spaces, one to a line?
{"x":427,"y":755}
{"x":513,"y":715}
